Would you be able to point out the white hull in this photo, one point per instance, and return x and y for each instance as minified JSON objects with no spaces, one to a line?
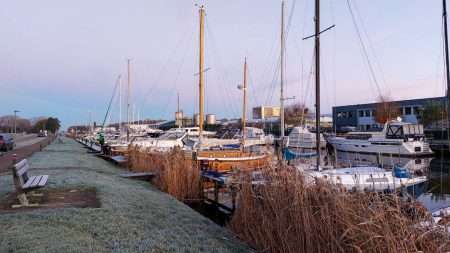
{"x":366,"y":178}
{"x":389,"y":147}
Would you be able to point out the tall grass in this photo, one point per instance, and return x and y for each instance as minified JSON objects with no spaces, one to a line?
{"x":175,"y":173}
{"x":291,"y":214}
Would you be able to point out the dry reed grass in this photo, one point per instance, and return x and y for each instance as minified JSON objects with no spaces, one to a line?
{"x":175,"y":173}
{"x":290,"y":214}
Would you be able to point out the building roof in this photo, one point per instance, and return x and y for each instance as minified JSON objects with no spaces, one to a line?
{"x":406,"y":101}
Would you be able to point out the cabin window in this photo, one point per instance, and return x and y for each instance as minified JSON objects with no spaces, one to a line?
{"x":408,"y":111}
{"x":394,"y":132}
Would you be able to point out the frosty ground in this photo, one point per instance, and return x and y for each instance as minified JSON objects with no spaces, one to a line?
{"x":133,"y":215}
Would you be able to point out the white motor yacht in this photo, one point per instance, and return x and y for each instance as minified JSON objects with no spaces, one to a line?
{"x":396,"y":138}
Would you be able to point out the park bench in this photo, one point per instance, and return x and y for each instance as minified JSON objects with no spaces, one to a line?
{"x":139,"y":175}
{"x":25,"y":183}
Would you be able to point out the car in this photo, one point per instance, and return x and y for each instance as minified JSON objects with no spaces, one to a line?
{"x":6,"y":142}
{"x":43,"y":133}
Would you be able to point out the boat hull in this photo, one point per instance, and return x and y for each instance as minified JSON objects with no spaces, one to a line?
{"x":408,"y":149}
{"x":227,"y":160}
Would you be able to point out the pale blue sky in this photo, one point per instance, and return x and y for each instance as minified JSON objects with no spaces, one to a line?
{"x":61,"y":58}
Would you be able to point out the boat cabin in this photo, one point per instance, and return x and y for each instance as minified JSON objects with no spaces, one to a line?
{"x":405,"y":131}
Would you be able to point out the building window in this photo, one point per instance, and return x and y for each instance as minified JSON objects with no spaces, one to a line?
{"x":367,"y":113}
{"x":350,"y":114}
{"x":361,"y":113}
{"x":407,"y":110}
{"x":416,"y":110}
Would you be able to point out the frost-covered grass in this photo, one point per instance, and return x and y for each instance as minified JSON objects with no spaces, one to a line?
{"x":134,"y":216}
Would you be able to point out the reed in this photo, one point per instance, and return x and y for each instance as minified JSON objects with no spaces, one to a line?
{"x":291,"y":214}
{"x":175,"y":173}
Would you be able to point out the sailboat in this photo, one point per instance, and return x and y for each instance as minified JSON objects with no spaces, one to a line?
{"x":301,"y":137}
{"x":360,"y":178}
{"x":301,"y":142}
{"x":224,"y":160}
{"x":397,"y":138}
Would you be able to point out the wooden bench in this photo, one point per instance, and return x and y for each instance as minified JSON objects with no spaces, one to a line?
{"x":139,"y":175}
{"x":25,"y":183}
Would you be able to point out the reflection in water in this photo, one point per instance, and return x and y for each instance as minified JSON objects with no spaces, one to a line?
{"x":434,"y":194}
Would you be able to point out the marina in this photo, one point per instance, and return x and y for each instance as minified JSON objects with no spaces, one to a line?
{"x":155,"y":150}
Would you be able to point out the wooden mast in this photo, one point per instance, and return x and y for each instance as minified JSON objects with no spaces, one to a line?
{"x":244,"y":108}
{"x":200,"y":72}
{"x":282,"y":127}
{"x":317,"y":68}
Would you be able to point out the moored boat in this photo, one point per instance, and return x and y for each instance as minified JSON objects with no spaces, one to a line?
{"x":396,"y":138}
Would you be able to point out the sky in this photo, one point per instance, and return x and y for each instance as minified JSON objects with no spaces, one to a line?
{"x":63,"y":58}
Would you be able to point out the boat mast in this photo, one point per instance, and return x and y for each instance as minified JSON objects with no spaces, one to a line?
{"x":244,"y":108}
{"x":178,"y":111}
{"x":447,"y":71}
{"x":282,"y":127}
{"x":120,"y":105}
{"x":317,"y":69}
{"x":200,"y":73}
{"x":128,"y":101}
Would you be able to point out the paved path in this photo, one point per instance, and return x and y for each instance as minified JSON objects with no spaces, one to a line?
{"x":134,"y":216}
{"x":27,"y":147}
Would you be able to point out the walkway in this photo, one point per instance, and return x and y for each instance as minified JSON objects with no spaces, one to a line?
{"x":133,"y":217}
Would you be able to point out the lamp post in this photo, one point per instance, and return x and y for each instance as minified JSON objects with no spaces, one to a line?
{"x":15,"y":121}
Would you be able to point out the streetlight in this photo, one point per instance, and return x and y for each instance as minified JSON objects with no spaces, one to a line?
{"x":15,"y":118}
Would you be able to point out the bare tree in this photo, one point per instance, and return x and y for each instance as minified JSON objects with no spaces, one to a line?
{"x":386,"y":110}
{"x":296,"y":113}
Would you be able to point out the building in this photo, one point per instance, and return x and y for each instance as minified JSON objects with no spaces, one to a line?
{"x":264,"y":112}
{"x":326,"y":121}
{"x":362,"y":116}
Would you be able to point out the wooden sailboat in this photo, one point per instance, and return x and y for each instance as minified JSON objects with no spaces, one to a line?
{"x":224,"y":160}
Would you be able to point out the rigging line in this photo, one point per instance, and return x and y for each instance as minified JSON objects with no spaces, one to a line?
{"x":291,"y":14}
{"x":274,"y":82}
{"x":217,"y":59}
{"x":171,"y":55}
{"x":110,"y":102}
{"x":276,"y":69}
{"x":278,"y":64}
{"x":333,"y":18}
{"x":254,"y":98}
{"x":308,"y":86}
{"x":377,"y":62}
{"x":174,"y":84}
{"x":372,"y":72}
